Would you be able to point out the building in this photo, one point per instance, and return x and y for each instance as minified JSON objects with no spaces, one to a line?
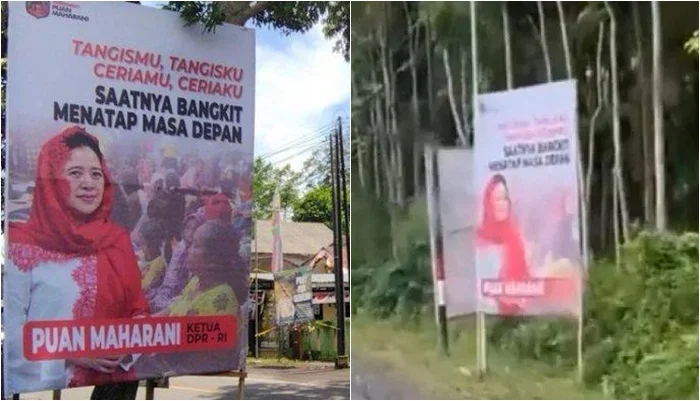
{"x":303,"y":244}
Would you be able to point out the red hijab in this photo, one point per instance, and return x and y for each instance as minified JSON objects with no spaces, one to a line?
{"x":53,"y":226}
{"x":504,"y":233}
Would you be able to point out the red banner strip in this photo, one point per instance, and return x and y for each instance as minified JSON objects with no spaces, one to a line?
{"x":62,"y":339}
{"x":536,"y":288}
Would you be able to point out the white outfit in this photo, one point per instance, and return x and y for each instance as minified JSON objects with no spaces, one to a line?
{"x":42,"y":285}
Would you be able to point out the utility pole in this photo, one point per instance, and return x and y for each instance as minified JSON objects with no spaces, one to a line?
{"x":257,"y":306}
{"x":344,"y":199}
{"x":341,"y":359}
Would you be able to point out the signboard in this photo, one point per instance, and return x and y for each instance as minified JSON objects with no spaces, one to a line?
{"x":293,"y":296}
{"x":456,"y":205}
{"x":302,"y":295}
{"x":527,"y":257}
{"x":130,"y":167}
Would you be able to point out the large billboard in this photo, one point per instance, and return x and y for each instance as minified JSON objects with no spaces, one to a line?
{"x":130,"y":158}
{"x":527,"y":248}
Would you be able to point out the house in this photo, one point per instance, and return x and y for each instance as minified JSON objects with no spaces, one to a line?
{"x":300,"y":241}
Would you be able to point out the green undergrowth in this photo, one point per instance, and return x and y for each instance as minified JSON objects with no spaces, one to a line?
{"x":640,"y":336}
{"x":412,"y":356}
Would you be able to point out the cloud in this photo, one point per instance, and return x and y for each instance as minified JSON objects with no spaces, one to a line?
{"x":301,"y":86}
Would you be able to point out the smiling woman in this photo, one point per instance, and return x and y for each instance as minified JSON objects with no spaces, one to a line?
{"x":68,"y":261}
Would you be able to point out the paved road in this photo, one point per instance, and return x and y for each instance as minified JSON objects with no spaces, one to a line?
{"x":373,"y":381}
{"x":316,"y":381}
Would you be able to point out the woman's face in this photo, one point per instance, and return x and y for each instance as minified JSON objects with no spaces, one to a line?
{"x":83,"y":172}
{"x":188,"y":231}
{"x":500,"y":201}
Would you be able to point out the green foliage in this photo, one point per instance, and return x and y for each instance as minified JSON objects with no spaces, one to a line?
{"x":641,"y":323}
{"x":400,"y":288}
{"x":315,"y":206}
{"x":266,"y":177}
{"x":691,"y":46}
{"x":641,"y":320}
{"x":287,"y":17}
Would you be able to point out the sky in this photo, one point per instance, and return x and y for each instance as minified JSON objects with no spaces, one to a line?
{"x":301,"y":85}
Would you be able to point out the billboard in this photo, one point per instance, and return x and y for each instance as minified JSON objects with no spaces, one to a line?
{"x":527,"y":250}
{"x":456,"y":205}
{"x":293,"y":296}
{"x":130,"y":161}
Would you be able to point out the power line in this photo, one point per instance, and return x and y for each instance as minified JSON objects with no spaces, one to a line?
{"x":305,"y":150}
{"x":308,"y":148}
{"x":311,"y":135}
{"x":293,"y":147}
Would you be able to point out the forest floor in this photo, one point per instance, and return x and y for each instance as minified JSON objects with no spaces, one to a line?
{"x":390,"y":361}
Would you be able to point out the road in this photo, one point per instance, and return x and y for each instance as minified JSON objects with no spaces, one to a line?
{"x":308,"y":382}
{"x":373,"y":381}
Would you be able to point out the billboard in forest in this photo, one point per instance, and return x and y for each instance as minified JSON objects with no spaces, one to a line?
{"x":456,"y":205}
{"x":293,"y":296}
{"x":527,"y":248}
{"x":128,"y":202}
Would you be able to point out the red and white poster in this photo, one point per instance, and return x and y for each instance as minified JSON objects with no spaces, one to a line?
{"x":528,"y":259}
{"x":128,"y":203}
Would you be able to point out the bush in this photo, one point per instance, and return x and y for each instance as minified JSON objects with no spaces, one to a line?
{"x":641,"y":323}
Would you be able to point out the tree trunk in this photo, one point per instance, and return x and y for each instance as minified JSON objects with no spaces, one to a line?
{"x":565,"y":40}
{"x":360,"y":164}
{"x":603,"y":205}
{"x":375,"y":161}
{"x":583,"y":196}
{"x":616,"y":222}
{"x":360,"y":158}
{"x":543,"y":41}
{"x":506,"y":40}
{"x":389,"y":115}
{"x":451,"y":97}
{"x":647,"y":154}
{"x":429,"y":63}
{"x":659,"y":148}
{"x":474,"y":45}
{"x":617,"y":142}
{"x":398,"y":158}
{"x":599,"y":108}
{"x":463,"y":86}
{"x":239,"y":12}
{"x":381,"y":137}
{"x":412,"y":50}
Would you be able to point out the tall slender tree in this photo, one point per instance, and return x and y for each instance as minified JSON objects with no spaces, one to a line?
{"x":617,"y":141}
{"x":659,"y":148}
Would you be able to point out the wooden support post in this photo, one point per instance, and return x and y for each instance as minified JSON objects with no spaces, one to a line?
{"x":241,"y":385}
{"x":150,"y":389}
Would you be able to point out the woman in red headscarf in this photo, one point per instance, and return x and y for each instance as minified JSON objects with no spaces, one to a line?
{"x":498,"y":228}
{"x":68,"y":261}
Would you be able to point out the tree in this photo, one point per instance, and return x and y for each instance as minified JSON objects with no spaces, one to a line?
{"x":589,"y":60}
{"x":617,"y":141}
{"x":288,"y":17}
{"x":315,"y":206}
{"x":266,"y":177}
{"x":317,"y":168}
{"x":657,"y":72}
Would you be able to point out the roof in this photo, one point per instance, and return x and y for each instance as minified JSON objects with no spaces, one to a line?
{"x":326,"y":255}
{"x":297,"y":238}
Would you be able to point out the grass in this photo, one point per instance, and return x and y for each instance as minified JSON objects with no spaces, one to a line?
{"x":274,"y":362}
{"x":412,"y":355}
